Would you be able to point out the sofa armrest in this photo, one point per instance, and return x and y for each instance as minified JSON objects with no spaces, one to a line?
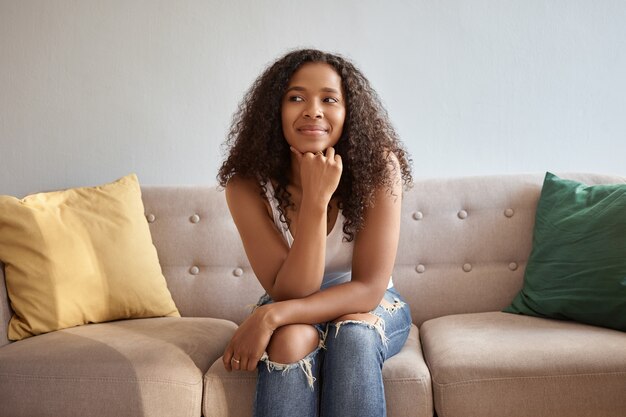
{"x":5,"y":309}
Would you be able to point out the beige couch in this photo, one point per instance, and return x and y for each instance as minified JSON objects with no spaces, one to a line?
{"x":463,"y":250}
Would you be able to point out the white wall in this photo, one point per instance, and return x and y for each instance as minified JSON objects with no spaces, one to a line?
{"x":92,"y":90}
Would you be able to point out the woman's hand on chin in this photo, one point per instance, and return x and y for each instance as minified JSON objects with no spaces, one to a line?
{"x":319,"y":174}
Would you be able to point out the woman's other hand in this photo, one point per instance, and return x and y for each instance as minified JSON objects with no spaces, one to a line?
{"x":249,"y":342}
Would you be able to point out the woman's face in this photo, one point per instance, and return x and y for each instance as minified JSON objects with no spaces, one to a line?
{"x":313,"y":108}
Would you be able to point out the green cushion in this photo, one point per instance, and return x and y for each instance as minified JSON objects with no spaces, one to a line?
{"x":577,"y":267}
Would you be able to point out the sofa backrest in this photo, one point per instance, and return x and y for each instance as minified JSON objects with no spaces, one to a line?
{"x":200,"y":252}
{"x":464,"y":244}
{"x":463,"y":248}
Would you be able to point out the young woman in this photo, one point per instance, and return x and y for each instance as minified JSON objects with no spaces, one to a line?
{"x":314,"y":178}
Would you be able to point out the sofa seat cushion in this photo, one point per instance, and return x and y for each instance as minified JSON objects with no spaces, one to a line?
{"x":141,"y":367}
{"x":499,"y":364}
{"x":407,"y":386}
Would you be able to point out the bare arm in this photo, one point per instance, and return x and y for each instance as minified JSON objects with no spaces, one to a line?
{"x":296,"y":272}
{"x":373,"y":258}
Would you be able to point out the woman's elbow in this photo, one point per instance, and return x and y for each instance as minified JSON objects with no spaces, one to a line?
{"x":372,"y":296}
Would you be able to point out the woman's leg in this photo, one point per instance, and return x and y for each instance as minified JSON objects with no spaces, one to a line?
{"x":356,"y":347}
{"x":288,"y":376}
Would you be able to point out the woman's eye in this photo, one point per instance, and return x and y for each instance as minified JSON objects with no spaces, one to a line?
{"x":296,"y":98}
{"x":331,"y":100}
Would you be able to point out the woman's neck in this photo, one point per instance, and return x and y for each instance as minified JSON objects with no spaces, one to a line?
{"x":294,"y":174}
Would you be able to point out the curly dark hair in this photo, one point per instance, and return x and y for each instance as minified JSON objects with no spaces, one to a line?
{"x":257,"y":148}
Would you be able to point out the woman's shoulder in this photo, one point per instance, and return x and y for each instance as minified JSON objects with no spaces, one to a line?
{"x":246,"y":192}
{"x":393,"y":163}
{"x":240,"y":187}
{"x":238,"y":182}
{"x":391,"y":175}
{"x":391,"y":186}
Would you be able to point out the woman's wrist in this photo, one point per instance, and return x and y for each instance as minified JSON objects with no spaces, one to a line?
{"x":314,"y":206}
{"x":269,"y":315}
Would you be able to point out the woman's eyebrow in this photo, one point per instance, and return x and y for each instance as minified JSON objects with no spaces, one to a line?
{"x":325,"y":89}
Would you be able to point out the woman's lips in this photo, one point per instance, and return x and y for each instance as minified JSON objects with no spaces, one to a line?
{"x":312,"y":130}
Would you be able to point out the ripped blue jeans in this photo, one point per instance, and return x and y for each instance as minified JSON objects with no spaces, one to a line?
{"x":342,"y":377}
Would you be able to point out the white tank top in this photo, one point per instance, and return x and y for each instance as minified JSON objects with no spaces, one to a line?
{"x":338,"y":264}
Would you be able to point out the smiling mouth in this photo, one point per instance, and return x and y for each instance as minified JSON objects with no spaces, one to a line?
{"x":312,"y":130}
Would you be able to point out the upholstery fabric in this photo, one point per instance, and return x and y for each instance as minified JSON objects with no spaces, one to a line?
{"x":200,"y":251}
{"x":406,"y":377}
{"x":503,"y":365}
{"x":78,"y":256}
{"x":142,"y":367}
{"x":577,"y":267}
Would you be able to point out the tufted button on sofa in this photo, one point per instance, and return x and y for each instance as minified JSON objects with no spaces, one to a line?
{"x":463,"y":248}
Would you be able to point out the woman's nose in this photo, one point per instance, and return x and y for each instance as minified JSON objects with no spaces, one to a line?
{"x":313,"y":111}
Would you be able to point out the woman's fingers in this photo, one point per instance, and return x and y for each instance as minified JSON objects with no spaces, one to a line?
{"x":236,"y":363}
{"x":231,"y":361}
{"x":251,"y":365}
{"x":330,"y":153}
{"x":333,"y":157}
{"x":243,"y":366}
{"x":338,"y":161}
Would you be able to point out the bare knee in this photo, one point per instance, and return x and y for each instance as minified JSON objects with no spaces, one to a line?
{"x":366,"y":321}
{"x":293,"y":342}
{"x":364,"y":317}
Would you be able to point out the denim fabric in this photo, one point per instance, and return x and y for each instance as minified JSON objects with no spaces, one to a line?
{"x":342,"y":377}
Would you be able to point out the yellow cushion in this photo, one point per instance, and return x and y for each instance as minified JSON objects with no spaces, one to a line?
{"x":78,"y":256}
